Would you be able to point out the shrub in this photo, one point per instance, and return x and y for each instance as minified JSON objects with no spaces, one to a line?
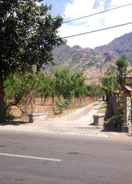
{"x":60,"y":105}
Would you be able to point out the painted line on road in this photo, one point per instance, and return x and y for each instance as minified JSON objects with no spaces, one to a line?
{"x":30,"y":157}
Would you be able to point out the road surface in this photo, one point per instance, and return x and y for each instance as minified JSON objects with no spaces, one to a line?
{"x":38,"y":159}
{"x":77,"y":122}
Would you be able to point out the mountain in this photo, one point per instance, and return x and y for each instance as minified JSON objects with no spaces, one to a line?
{"x":76,"y":57}
{"x":94,"y":62}
{"x":118,"y":47}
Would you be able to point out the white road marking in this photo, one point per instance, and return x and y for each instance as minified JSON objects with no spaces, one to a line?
{"x":30,"y":157}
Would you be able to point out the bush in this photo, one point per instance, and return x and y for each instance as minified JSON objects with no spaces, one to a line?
{"x":63,"y":84}
{"x":17,"y":86}
{"x":94,"y":91}
{"x":113,"y":123}
{"x":60,"y":106}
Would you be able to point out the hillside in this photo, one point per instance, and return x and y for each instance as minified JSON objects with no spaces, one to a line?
{"x":85,"y":58}
{"x":119,"y":46}
{"x":77,"y":57}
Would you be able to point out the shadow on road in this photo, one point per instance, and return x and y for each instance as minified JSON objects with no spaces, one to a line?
{"x":12,"y":122}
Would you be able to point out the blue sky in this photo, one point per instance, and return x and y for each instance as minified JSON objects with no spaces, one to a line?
{"x":76,"y":8}
{"x":57,"y":8}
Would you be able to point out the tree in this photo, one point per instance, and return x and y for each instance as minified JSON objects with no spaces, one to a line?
{"x":63,"y":85}
{"x":122,"y":65}
{"x":45,"y":86}
{"x":110,"y":87}
{"x":113,"y":85}
{"x":79,"y":88}
{"x":28,"y":33}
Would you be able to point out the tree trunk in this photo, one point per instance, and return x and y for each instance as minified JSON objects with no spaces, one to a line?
{"x":2,"y":103}
{"x":53,"y":100}
{"x":113,"y":113}
{"x":111,"y":106}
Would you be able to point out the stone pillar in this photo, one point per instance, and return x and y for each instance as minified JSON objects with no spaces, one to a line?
{"x":125,"y":115}
{"x":130,"y":118}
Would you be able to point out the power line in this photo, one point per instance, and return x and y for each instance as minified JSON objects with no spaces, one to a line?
{"x":98,"y":13}
{"x":98,"y":30}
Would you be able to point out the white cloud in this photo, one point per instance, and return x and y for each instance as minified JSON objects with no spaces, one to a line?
{"x":78,"y":8}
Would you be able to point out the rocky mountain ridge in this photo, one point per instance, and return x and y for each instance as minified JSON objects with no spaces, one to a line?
{"x":85,"y":58}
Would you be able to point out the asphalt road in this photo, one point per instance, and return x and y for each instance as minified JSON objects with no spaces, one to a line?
{"x":34,"y":159}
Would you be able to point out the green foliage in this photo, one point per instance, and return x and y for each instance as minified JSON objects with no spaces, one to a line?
{"x":122,"y":65}
{"x":79,"y":87}
{"x":113,"y":80}
{"x":60,"y":105}
{"x":17,"y":86}
{"x":109,"y":84}
{"x":63,"y":84}
{"x":28,"y":33}
{"x":12,"y":86}
{"x":113,"y":86}
{"x":45,"y":85}
{"x":94,"y":91}
{"x":70,"y":84}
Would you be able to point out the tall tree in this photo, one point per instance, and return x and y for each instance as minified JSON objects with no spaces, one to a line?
{"x":113,"y":86}
{"x":122,"y":64}
{"x":28,"y":33}
{"x":110,"y":87}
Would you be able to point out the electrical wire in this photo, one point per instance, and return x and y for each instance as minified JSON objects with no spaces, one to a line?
{"x":97,"y":30}
{"x":98,"y":13}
